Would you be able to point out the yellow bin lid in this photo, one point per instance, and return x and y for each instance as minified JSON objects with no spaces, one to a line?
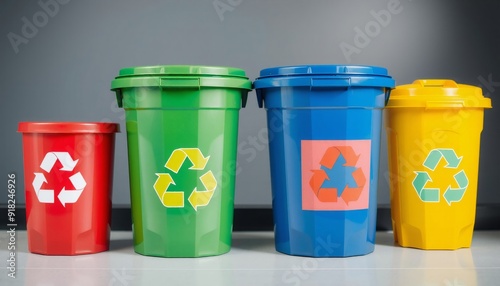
{"x":437,"y":93}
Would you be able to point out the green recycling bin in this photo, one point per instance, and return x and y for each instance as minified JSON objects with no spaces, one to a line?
{"x":182,"y":132}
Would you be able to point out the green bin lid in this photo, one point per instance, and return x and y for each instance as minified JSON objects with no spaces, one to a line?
{"x":181,"y":76}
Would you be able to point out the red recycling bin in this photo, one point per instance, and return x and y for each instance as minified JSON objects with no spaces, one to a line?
{"x":68,"y":169}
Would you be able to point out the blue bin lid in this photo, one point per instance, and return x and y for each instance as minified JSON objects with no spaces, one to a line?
{"x":324,"y":76}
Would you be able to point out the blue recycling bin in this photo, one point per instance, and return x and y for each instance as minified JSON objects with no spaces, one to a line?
{"x":324,"y":124}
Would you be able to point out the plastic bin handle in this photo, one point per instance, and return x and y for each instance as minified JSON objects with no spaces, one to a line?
{"x":176,"y":83}
{"x":325,"y":83}
{"x":436,"y":83}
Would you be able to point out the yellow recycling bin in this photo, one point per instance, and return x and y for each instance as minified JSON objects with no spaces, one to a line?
{"x":433,"y":129}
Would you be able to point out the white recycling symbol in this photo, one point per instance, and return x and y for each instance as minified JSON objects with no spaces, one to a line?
{"x":65,"y":196}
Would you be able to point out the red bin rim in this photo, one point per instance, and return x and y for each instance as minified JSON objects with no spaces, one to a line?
{"x":68,"y":127}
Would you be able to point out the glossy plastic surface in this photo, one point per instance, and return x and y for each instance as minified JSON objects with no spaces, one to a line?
{"x":70,"y":224}
{"x":433,"y":129}
{"x":306,"y":125}
{"x":68,"y":127}
{"x":438,"y":93}
{"x":181,"y":78}
{"x":182,"y":144}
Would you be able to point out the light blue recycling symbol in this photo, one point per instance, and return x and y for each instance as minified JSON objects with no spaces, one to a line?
{"x":433,"y":195}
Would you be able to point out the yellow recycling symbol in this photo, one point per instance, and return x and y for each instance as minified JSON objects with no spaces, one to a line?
{"x":174,"y":163}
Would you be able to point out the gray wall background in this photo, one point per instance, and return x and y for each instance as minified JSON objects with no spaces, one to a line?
{"x":63,"y":71}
